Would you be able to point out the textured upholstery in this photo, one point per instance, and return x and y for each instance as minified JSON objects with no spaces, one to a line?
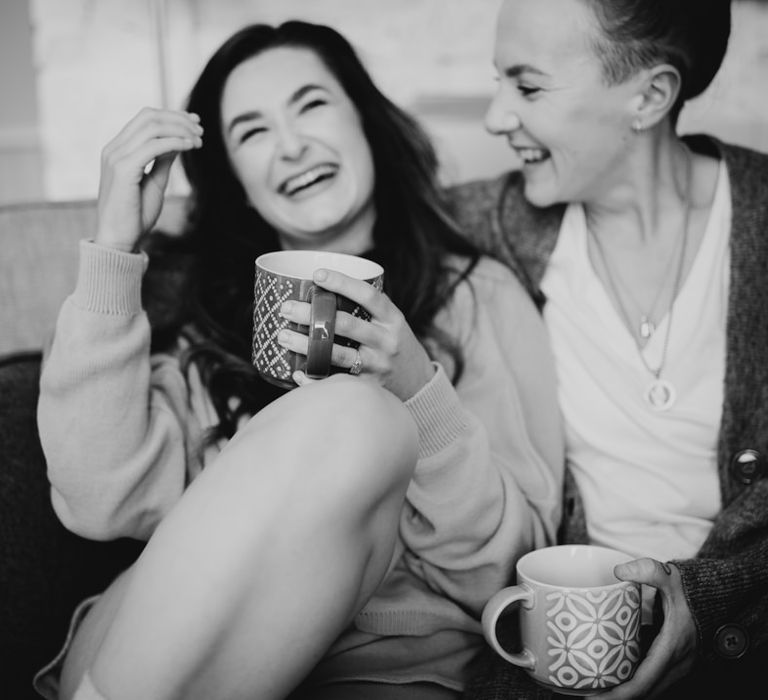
{"x":44,"y":569}
{"x":38,"y":263}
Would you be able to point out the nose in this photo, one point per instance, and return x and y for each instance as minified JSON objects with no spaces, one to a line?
{"x":291,"y":144}
{"x":501,"y":117}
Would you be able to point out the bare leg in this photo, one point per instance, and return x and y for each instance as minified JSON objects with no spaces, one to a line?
{"x":381,"y":691}
{"x":267,"y":557}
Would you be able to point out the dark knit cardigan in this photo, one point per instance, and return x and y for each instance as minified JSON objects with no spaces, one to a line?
{"x":726,"y":584}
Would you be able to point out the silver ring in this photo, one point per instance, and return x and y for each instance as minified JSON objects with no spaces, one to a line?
{"x":357,"y":365}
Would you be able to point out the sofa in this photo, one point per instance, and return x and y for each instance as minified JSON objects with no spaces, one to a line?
{"x":44,"y":569}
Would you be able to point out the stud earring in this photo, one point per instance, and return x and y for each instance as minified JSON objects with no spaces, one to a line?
{"x":637,"y":126}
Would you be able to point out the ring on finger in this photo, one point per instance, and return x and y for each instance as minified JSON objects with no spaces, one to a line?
{"x":357,"y":366}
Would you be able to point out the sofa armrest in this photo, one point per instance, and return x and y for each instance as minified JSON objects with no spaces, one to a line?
{"x":44,"y":569}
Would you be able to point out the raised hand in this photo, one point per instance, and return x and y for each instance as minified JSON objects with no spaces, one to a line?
{"x":135,"y":166}
{"x":389,"y":351}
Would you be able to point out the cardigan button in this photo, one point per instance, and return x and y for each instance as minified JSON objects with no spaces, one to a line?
{"x":731,"y":641}
{"x":748,"y":466}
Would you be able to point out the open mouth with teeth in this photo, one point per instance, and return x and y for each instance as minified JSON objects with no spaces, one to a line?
{"x":308,"y":179}
{"x":532,"y":155}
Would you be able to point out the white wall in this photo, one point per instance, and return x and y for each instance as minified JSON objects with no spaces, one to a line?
{"x":98,"y":62}
{"x":21,"y":168}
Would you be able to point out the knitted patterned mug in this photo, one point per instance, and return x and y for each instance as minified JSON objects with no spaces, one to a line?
{"x":287,"y":275}
{"x":579,"y":626}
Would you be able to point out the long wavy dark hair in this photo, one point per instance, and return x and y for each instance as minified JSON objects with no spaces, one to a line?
{"x":413,"y":236}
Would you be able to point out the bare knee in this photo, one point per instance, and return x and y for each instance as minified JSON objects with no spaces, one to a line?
{"x":351,"y":432}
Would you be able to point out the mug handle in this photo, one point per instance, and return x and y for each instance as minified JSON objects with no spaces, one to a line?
{"x":496,"y":605}
{"x":322,"y":324}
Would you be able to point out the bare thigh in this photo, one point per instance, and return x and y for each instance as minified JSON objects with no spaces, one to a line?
{"x":90,"y":635}
{"x":380,"y":691}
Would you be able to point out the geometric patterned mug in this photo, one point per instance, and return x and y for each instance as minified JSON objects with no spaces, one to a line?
{"x":579,"y":626}
{"x":287,"y":275}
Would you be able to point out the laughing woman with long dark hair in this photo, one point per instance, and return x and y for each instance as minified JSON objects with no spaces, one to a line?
{"x":336,"y":540}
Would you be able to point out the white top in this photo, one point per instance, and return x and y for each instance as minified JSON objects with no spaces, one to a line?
{"x":648,"y":478}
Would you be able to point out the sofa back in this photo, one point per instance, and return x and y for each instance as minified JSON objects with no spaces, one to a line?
{"x":38,"y":263}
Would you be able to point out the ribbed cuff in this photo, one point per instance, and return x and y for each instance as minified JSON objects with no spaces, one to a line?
{"x":438,"y":413}
{"x":109,"y":280}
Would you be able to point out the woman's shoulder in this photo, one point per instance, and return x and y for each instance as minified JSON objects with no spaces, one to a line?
{"x":472,"y":202}
{"x":741,"y":161}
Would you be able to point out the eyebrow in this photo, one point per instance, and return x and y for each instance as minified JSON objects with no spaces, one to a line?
{"x":517,"y":70}
{"x":255,"y":114}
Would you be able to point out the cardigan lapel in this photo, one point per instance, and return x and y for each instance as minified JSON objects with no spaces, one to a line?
{"x":533,"y":232}
{"x":745,"y":419}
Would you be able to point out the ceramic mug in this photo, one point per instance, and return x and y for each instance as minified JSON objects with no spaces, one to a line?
{"x":287,"y":275}
{"x":579,"y":626}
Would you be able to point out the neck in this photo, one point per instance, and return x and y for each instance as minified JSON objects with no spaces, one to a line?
{"x":640,"y":253}
{"x":351,"y":236}
{"x":648,"y":197}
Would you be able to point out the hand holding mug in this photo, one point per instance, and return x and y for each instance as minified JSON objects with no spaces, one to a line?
{"x":579,"y":624}
{"x":284,"y":280}
{"x":383,"y":342}
{"x":673,"y":653}
{"x":135,"y":167}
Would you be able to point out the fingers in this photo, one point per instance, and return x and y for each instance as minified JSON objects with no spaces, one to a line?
{"x":135,"y":167}
{"x":672,"y":652}
{"x":648,"y":571}
{"x":359,"y":291}
{"x":388,"y":349}
{"x":341,"y":356}
{"x":374,"y":340}
{"x":150,"y":134}
{"x":151,"y":121}
{"x":661,"y":667}
{"x":346,"y":325}
{"x":160,"y":171}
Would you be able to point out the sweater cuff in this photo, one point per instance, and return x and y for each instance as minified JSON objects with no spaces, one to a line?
{"x":438,"y":413}
{"x":109,"y":280}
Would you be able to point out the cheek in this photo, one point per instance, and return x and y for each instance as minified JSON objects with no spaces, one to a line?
{"x":253,"y":173}
{"x":361,"y":159}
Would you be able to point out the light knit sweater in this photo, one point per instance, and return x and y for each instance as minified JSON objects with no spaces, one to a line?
{"x":121,"y":431}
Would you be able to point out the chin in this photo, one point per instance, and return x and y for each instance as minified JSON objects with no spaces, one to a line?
{"x":539,"y":196}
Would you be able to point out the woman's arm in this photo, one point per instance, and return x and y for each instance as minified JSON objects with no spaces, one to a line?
{"x":488,"y":485}
{"x":117,"y":425}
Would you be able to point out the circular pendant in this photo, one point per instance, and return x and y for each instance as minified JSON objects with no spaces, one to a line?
{"x":660,"y":394}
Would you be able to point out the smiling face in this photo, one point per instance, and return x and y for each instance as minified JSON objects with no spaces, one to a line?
{"x":296,"y":144}
{"x":571,"y":130}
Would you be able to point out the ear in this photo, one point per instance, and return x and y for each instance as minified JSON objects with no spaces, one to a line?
{"x":658,"y":90}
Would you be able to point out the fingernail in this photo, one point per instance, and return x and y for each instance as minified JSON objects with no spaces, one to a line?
{"x":286,"y":308}
{"x":321,"y":275}
{"x":282,"y":337}
{"x":193,"y":116}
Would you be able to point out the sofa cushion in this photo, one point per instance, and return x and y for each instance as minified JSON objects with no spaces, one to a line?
{"x":44,"y":569}
{"x":38,"y":265}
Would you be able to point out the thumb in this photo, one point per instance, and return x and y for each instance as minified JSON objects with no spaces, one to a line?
{"x":646,"y":570}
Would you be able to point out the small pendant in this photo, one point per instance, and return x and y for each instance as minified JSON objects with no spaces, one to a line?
{"x":660,"y":394}
{"x":646,"y":327}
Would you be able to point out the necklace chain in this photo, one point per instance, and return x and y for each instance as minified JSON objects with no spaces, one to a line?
{"x":656,"y":372}
{"x":647,"y":325}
